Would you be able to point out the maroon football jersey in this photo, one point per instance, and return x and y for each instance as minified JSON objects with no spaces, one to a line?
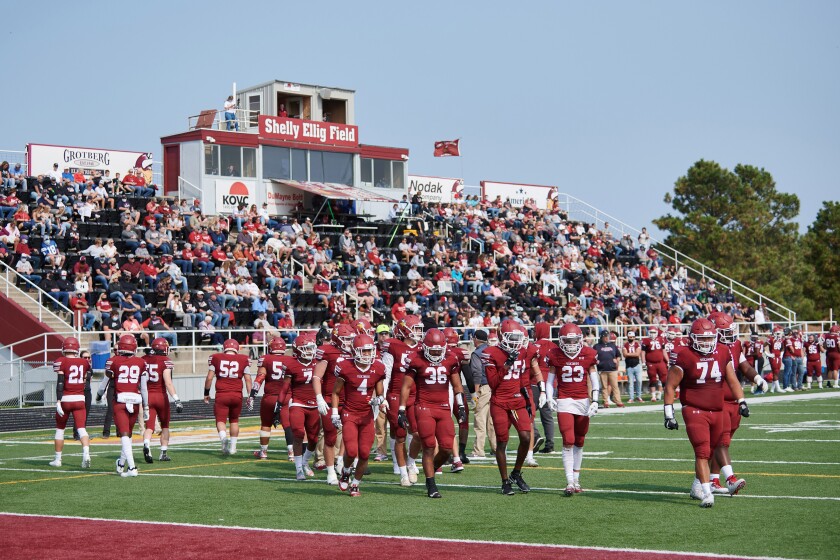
{"x":402,"y":354}
{"x":432,"y":380}
{"x":75,"y":372}
{"x":230,"y":370}
{"x":545,"y":346}
{"x":737,"y":357}
{"x":812,"y":351}
{"x":155,"y":365}
{"x":126,"y":372}
{"x":359,"y":385}
{"x":704,"y":376}
{"x":300,"y":376}
{"x":793,"y":347}
{"x":529,"y":353}
{"x":571,"y":373}
{"x":832,"y":344}
{"x":506,"y":380}
{"x":777,"y":347}
{"x":457,"y":352}
{"x":274,"y":365}
{"x":654,"y":350}
{"x":331,"y":354}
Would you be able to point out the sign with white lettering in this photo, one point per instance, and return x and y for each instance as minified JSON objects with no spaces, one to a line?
{"x":299,"y":130}
{"x":436,"y":189}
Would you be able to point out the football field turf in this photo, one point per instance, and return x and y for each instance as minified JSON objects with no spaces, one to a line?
{"x":635,"y":474}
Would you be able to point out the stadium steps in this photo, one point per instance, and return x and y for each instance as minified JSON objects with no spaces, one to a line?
{"x":54,"y":322}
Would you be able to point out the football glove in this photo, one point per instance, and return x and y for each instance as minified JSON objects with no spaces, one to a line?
{"x":761,"y":382}
{"x":528,"y":409}
{"x":552,"y":405}
{"x":743,"y":409}
{"x":336,"y":420}
{"x":98,"y":397}
{"x":249,"y":402}
{"x":275,"y":420}
{"x":671,"y":424}
{"x":593,"y":409}
{"x":462,"y":414}
{"x":179,"y":407}
{"x":58,"y":409}
{"x":323,"y":407}
{"x":542,"y":400}
{"x":402,"y":419}
{"x":377,"y":401}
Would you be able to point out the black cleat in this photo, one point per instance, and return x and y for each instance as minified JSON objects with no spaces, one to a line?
{"x":464,"y":459}
{"x":507,"y":489}
{"x":538,"y":443}
{"x":164,"y":456}
{"x":520,"y":482}
{"x":547,"y":449}
{"x":147,"y":455}
{"x":431,"y":489}
{"x":106,"y":434}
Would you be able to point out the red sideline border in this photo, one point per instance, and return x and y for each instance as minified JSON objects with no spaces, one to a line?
{"x":25,"y":536}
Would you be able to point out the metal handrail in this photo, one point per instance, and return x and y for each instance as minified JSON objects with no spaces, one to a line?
{"x":42,"y":307}
{"x":243,"y":117}
{"x":680,"y":258}
{"x":471,"y":240}
{"x":182,"y":194}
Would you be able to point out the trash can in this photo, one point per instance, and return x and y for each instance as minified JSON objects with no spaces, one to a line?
{"x":100,"y":351}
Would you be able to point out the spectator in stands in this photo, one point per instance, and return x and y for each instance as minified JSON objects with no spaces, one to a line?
{"x":131,"y":325}
{"x":230,"y":114}
{"x":157,"y":327}
{"x":24,"y":268}
{"x":220,"y":318}
{"x":208,"y":332}
{"x":55,"y":290}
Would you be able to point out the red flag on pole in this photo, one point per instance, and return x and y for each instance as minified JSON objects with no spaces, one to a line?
{"x":447,"y":148}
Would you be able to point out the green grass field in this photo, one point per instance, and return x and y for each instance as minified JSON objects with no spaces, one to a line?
{"x":636,"y":475}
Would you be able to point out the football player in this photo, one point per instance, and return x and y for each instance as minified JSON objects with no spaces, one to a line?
{"x":654,"y":361}
{"x":73,"y":375}
{"x":434,"y":372}
{"x":270,"y":368}
{"x":159,"y":386}
{"x":510,"y":402}
{"x":573,"y":370}
{"x":303,"y":409}
{"x":531,"y":355}
{"x":128,"y":373}
{"x":361,"y":380}
{"x":396,"y":353}
{"x":727,"y":331}
{"x":700,"y":371}
{"x":326,"y":356}
{"x":832,"y":354}
{"x":775,"y":349}
{"x":542,"y":333}
{"x":229,"y":368}
{"x":813,"y":364}
{"x":453,"y":347}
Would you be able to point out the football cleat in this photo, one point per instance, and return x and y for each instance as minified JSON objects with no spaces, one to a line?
{"x":457,"y":466}
{"x":85,"y":462}
{"x":412,"y":473}
{"x":120,"y":466}
{"x":129,"y":473}
{"x":464,"y":459}
{"x":432,"y":491}
{"x":570,"y":489}
{"x":380,"y":457}
{"x":531,"y":462}
{"x":404,"y":481}
{"x":344,"y":481}
{"x":578,"y":489}
{"x":696,"y":491}
{"x":438,"y":471}
{"x":147,"y":455}
{"x":291,"y":456}
{"x":707,"y":501}
{"x":56,"y":463}
{"x":520,"y":482}
{"x":307,"y":471}
{"x":735,"y":485}
{"x":320,"y":465}
{"x":396,"y":470}
{"x":260,"y":454}
{"x":299,"y":474}
{"x":507,"y":489}
{"x":354,"y":491}
{"x":538,"y":444}
{"x":332,"y":479}
{"x":225,"y":446}
{"x":164,"y":456}
{"x":717,"y":488}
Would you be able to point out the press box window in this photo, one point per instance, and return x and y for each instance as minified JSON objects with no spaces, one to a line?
{"x":230,"y":161}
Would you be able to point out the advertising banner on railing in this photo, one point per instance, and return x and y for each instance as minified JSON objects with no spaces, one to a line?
{"x":41,"y":157}
{"x":544,"y":197}
{"x":282,"y":199}
{"x":440,"y":190}
{"x":231,"y":193}
{"x":314,"y":132}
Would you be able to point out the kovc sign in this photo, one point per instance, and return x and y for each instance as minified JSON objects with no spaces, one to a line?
{"x":230,"y":194}
{"x":299,"y":130}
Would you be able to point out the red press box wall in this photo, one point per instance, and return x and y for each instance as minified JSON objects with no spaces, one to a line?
{"x":16,"y":324}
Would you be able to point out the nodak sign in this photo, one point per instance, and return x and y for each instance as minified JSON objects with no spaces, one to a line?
{"x":436,"y":189}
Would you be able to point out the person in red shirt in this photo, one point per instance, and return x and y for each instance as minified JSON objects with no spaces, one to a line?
{"x":159,"y":387}
{"x":270,"y":369}
{"x":813,"y":363}
{"x":831,"y":342}
{"x":775,"y":348}
{"x":573,"y":368}
{"x":655,"y":362}
{"x":398,"y":310}
{"x":128,"y":373}
{"x":229,"y":368}
{"x":73,"y":376}
{"x":361,"y":380}
{"x":700,"y":371}
{"x":433,"y":373}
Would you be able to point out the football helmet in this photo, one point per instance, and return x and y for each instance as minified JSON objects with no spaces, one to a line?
{"x":230,"y":345}
{"x":363,"y":326}
{"x":304,"y":347}
{"x":571,"y":339}
{"x":71,"y":346}
{"x":411,"y":327}
{"x":160,"y":346}
{"x":434,"y":346}
{"x":754,"y":337}
{"x":511,"y":337}
{"x":653,"y":332}
{"x":672,"y":333}
{"x":778,"y":333}
{"x":726,"y":327}
{"x":451,"y":336}
{"x":127,"y":344}
{"x":492,"y":338}
{"x":835,"y":329}
{"x":277,"y":346}
{"x":703,"y":336}
{"x":786,"y":331}
{"x":364,"y":350}
{"x":342,"y":337}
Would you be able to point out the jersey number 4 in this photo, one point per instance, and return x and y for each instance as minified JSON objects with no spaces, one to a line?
{"x":704,"y":367}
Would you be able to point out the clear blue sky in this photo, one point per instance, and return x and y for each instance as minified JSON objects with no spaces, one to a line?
{"x":610,"y":101}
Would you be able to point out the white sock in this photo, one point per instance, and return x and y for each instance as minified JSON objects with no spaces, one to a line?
{"x":299,"y":462}
{"x":577,"y":477}
{"x":126,"y":450}
{"x":147,"y":443}
{"x":569,"y":464}
{"x":58,"y":455}
{"x":577,"y":453}
{"x":355,"y":462}
{"x":340,"y":463}
{"x":163,"y":448}
{"x":222,"y":435}
{"x":331,"y":469}
{"x":356,"y":481}
{"x":290,"y":448}
{"x":233,"y":443}
{"x":707,"y":487}
{"x":714,"y":477}
{"x":264,"y":448}
{"x":530,"y":455}
{"x":86,"y":452}
{"x":726,"y":472}
{"x":307,"y":455}
{"x":403,"y":471}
